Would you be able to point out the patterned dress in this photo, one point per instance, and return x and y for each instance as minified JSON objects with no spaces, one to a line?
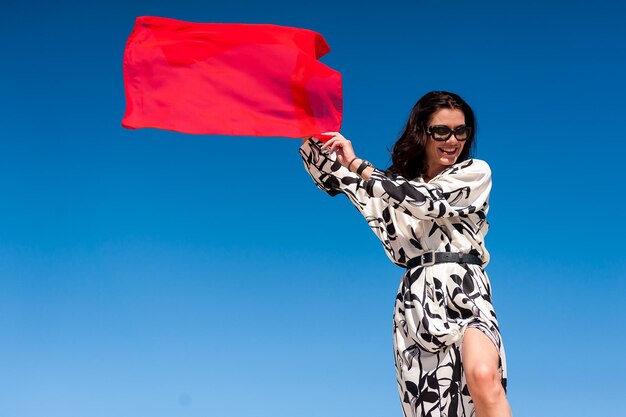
{"x":435,"y":304}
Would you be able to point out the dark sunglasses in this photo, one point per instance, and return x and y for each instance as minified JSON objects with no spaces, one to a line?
{"x":442,"y":133}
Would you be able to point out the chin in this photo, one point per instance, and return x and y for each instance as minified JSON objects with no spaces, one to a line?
{"x":448,"y":161}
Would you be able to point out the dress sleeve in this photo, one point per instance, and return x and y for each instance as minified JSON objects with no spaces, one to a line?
{"x":460,"y":190}
{"x":333,"y":178}
{"x":328,"y":174}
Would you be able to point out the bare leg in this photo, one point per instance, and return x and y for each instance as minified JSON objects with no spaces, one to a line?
{"x":480,"y":363}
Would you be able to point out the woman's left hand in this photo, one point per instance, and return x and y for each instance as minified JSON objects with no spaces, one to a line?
{"x":342,"y":146}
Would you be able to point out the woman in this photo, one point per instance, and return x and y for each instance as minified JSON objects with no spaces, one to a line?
{"x":429,"y":211}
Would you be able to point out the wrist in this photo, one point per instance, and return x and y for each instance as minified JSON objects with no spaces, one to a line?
{"x":362,"y":166}
{"x":350,"y":163}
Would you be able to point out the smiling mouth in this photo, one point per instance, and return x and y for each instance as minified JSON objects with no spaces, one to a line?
{"x":449,"y":151}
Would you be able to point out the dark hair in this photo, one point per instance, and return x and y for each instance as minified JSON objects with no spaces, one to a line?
{"x":408,"y":157}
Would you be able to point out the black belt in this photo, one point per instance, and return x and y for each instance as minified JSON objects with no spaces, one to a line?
{"x":431,"y":258}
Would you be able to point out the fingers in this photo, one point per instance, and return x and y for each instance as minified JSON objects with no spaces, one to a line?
{"x":339,"y":144}
{"x":328,"y":144}
{"x":333,"y":145}
{"x":336,"y":141}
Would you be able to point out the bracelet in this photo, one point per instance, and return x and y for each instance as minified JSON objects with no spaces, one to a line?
{"x":362,"y":167}
{"x":350,"y":163}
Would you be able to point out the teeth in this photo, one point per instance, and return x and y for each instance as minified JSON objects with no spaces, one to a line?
{"x":448,"y":149}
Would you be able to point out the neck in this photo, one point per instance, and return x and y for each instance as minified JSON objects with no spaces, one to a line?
{"x":432,"y":172}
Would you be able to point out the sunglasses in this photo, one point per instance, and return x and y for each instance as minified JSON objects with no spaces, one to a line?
{"x":442,"y":133}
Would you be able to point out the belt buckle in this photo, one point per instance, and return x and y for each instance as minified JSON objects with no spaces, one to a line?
{"x":430,"y":254}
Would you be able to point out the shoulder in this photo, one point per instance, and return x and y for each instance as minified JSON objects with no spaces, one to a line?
{"x":479,"y":165}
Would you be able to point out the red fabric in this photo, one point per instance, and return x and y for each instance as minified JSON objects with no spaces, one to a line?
{"x":230,"y":79}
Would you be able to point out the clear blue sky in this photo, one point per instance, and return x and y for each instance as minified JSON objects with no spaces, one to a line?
{"x":149,"y":273}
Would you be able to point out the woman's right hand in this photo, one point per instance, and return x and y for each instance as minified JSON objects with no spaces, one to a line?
{"x":341,"y":146}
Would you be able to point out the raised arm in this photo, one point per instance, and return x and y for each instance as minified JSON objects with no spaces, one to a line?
{"x":459,"y":190}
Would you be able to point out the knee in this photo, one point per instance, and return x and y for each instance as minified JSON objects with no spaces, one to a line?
{"x":483,"y":381}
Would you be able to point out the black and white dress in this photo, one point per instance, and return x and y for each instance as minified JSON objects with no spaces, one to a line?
{"x":435,"y":304}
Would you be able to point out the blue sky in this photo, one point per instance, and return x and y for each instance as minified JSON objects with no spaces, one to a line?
{"x":150,"y":273}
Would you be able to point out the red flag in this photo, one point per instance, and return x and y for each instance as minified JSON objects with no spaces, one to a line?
{"x":230,"y":79}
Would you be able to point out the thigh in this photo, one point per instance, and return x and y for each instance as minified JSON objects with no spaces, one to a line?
{"x":479,"y":351}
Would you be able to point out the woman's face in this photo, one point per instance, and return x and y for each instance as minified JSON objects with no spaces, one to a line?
{"x":440,"y":155}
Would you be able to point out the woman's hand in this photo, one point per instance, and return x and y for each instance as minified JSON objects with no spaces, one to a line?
{"x":342,"y":146}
